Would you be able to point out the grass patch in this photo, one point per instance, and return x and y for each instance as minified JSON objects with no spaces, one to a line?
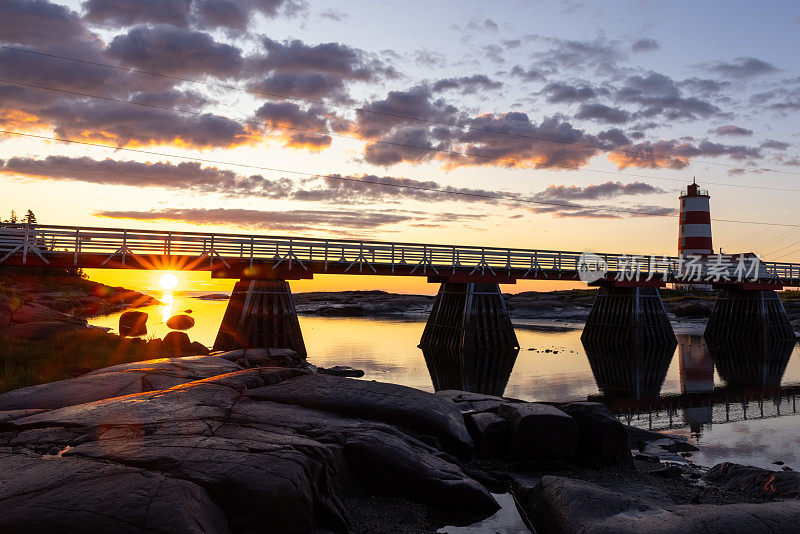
{"x":27,"y":363}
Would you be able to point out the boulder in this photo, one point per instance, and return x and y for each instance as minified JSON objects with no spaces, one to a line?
{"x":176,"y":344}
{"x":567,"y":505}
{"x":341,"y":370}
{"x":468,"y":401}
{"x":133,"y":323}
{"x":390,"y":403}
{"x":489,"y":432}
{"x":180,"y":322}
{"x":540,"y":433}
{"x":602,"y":439}
{"x":754,"y":481}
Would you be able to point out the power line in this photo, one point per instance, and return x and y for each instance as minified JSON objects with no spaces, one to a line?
{"x":391,"y":143}
{"x":382,"y":184}
{"x":627,"y":152}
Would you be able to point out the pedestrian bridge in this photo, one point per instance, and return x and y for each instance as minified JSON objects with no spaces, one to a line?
{"x":469,"y":311}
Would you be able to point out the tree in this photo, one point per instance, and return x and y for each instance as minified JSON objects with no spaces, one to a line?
{"x":13,"y":219}
{"x":30,"y":218}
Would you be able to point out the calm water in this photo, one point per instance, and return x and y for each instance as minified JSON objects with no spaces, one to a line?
{"x":682,"y":392}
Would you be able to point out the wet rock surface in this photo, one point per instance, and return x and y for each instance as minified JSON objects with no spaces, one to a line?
{"x":180,"y":322}
{"x":132,"y":323}
{"x":201,"y":445}
{"x":569,"y":505}
{"x":755,"y":481}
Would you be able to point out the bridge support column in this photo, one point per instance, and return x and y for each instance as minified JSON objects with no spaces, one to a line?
{"x":469,"y":316}
{"x":260,"y":314}
{"x":749,"y":314}
{"x":630,"y":316}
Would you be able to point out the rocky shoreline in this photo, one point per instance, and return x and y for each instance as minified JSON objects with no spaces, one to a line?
{"x":34,"y":307}
{"x":259,"y":441}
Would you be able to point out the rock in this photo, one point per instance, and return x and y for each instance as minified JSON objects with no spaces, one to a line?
{"x":694,"y":309}
{"x":264,"y":357}
{"x":602,"y":439}
{"x":176,"y":344}
{"x":669,"y":471}
{"x":35,"y":331}
{"x":474,"y":402}
{"x":540,"y":432}
{"x":180,"y":322}
{"x":667,"y":449}
{"x":755,"y":481}
{"x":115,"y":381}
{"x":526,"y":491}
{"x":78,"y":495}
{"x":567,"y":505}
{"x":219,"y":455}
{"x":341,"y":370}
{"x":489,"y":432}
{"x":133,"y":323}
{"x":398,"y":405}
{"x":341,"y":310}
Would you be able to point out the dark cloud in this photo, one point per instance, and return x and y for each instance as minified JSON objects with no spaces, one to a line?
{"x":39,"y":23}
{"x":657,"y":94}
{"x":130,"y":12}
{"x":467,"y":84}
{"x":285,"y":220}
{"x":676,"y":154}
{"x":742,"y":67}
{"x":528,"y":75}
{"x":645,"y":44}
{"x":603,"y":113}
{"x":607,"y":189}
{"x":380,"y":117}
{"x":603,"y":211}
{"x":311,"y":85}
{"x":186,"y":176}
{"x":281,"y":117}
{"x":494,"y":53}
{"x":237,"y":14}
{"x":176,"y":52}
{"x":562,"y":54}
{"x":731,"y":130}
{"x":566,"y":93}
{"x":704,"y":86}
{"x":774,"y":144}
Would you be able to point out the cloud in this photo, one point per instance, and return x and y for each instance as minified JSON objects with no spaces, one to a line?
{"x":528,"y":75}
{"x":603,"y":113}
{"x":285,"y":220}
{"x":429,"y":58}
{"x":742,"y":67}
{"x":130,"y":12}
{"x":283,"y":116}
{"x":645,"y":44}
{"x":674,"y":154}
{"x":40,"y":23}
{"x":731,"y":130}
{"x":467,"y":84}
{"x":485,"y":25}
{"x":603,"y":211}
{"x":186,"y":176}
{"x":660,"y":95}
{"x":704,"y":86}
{"x":237,"y":14}
{"x":563,"y":54}
{"x":566,"y":93}
{"x":333,"y":14}
{"x":607,"y":189}
{"x":175,"y":51}
{"x":774,"y":144}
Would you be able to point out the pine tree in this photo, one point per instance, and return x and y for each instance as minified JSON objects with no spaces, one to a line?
{"x":13,"y":219}
{"x":30,"y":218}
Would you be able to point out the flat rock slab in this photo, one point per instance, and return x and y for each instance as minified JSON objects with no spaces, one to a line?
{"x":398,"y":405}
{"x":116,"y":381}
{"x":568,"y":505}
{"x":755,"y":481}
{"x":602,"y":439}
{"x":217,"y":455}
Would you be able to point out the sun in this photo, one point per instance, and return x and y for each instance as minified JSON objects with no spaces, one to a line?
{"x":168,"y":281}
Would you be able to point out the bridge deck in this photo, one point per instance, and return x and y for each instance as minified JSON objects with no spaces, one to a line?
{"x":288,"y":258}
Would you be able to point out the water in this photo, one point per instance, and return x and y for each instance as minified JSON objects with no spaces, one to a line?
{"x":736,"y":403}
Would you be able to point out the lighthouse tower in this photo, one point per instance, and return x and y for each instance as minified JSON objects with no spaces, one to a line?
{"x":694,"y":235}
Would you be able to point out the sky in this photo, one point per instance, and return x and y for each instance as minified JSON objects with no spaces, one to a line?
{"x":585,"y":118}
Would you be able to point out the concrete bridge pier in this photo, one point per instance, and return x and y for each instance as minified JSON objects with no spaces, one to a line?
{"x":632,"y":316}
{"x":260,"y":314}
{"x":469,"y":316}
{"x":741,"y":313}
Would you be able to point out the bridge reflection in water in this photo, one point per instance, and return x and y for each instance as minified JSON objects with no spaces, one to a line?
{"x":630,"y":380}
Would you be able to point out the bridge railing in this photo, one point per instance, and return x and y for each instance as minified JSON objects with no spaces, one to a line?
{"x":122,"y":244}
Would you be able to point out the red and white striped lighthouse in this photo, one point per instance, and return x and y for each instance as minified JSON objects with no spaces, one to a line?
{"x":694,"y":235}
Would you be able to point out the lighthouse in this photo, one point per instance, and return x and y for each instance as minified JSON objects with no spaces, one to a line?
{"x":694,"y":233}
